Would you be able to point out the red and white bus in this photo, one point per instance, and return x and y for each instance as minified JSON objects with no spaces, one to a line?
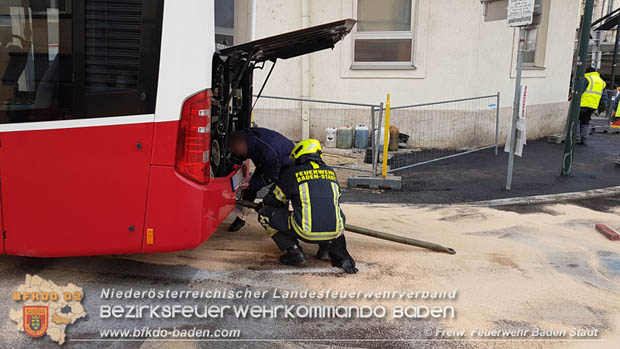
{"x":113,"y":122}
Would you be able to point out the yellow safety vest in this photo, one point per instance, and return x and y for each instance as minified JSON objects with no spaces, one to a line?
{"x":592,"y":96}
{"x":618,"y":109}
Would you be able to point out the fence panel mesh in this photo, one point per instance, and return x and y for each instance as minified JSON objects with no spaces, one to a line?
{"x":444,"y":129}
{"x":285,"y":115}
{"x":434,"y":131}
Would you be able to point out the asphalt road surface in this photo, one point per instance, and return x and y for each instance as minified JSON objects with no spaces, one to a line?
{"x":482,"y":175}
{"x":516,"y":268}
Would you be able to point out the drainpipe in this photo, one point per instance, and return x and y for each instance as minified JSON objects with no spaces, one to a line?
{"x":305,"y":74}
{"x":253,"y":21}
{"x":597,"y":55}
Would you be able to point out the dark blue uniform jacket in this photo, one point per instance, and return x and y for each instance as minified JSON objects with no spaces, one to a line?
{"x":269,"y":151}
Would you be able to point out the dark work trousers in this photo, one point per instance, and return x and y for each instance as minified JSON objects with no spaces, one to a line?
{"x":583,"y":130}
{"x":275,"y":221}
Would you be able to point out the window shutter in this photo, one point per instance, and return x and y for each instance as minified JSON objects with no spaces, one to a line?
{"x":113,"y":32}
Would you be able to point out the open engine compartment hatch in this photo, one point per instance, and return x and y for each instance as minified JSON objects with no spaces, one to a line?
{"x":292,"y":44}
{"x":231,"y":102}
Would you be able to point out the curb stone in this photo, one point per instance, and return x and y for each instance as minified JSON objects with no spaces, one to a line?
{"x":525,"y":200}
{"x":552,"y":198}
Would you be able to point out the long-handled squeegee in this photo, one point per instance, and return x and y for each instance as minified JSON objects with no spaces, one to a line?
{"x":377,"y":234}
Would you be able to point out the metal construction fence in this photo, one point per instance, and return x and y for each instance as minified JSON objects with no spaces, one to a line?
{"x":429,"y":132}
{"x":442,"y":130}
{"x":289,"y":116}
{"x":286,"y":115}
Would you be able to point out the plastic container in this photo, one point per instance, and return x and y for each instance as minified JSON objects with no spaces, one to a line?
{"x":393,"y":145}
{"x":331,"y":135}
{"x":361,"y":136}
{"x":344,"y":138}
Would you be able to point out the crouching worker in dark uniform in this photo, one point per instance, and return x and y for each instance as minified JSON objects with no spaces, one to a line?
{"x":311,"y":186}
{"x":270,"y":153}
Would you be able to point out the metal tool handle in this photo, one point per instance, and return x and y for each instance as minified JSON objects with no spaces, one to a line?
{"x":378,"y":234}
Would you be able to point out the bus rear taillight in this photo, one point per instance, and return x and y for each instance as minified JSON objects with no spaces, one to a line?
{"x":192,"y":155}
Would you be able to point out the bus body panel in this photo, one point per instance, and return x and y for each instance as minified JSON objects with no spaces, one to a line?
{"x":181,"y":213}
{"x":2,"y":248}
{"x":165,"y":143}
{"x":187,"y":48}
{"x":75,"y":191}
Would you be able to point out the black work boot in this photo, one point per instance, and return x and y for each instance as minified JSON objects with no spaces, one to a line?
{"x":294,"y":256}
{"x":349,"y":266}
{"x":322,"y":254}
{"x":237,"y":224}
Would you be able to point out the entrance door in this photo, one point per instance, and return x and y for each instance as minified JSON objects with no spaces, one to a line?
{"x":77,"y":100}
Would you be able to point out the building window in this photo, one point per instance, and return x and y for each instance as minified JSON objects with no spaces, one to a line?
{"x":224,"y":24}
{"x":384,"y":36}
{"x":536,"y":40}
{"x":531,"y":38}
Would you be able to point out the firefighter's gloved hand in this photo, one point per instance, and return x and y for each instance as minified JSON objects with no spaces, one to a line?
{"x":259,"y":207}
{"x":349,"y":266}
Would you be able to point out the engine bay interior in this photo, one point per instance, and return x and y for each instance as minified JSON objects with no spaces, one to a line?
{"x":233,"y":67}
{"x":231,"y":107}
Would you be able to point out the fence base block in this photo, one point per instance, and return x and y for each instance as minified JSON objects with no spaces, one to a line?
{"x":557,"y":139}
{"x":389,"y":183}
{"x":605,"y":129}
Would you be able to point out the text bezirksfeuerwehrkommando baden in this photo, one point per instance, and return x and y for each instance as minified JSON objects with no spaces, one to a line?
{"x":264,"y":311}
{"x":165,"y":310}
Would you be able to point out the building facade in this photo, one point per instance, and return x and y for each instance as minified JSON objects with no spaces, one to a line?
{"x":420,"y":51}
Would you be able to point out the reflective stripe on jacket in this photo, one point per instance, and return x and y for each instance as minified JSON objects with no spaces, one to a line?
{"x":594,"y":91}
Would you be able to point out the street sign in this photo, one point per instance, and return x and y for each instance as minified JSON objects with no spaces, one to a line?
{"x":521,"y":131}
{"x":520,"y":12}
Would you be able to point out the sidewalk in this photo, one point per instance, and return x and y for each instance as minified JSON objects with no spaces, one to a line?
{"x":482,"y":175}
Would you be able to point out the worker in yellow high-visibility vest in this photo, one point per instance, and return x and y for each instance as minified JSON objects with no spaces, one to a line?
{"x":590,"y":100}
{"x":615,"y":122}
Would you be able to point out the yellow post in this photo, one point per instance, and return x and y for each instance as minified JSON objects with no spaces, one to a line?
{"x":386,"y":136}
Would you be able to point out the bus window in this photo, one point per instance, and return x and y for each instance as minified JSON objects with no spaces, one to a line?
{"x":117,"y":51}
{"x":64,"y":59}
{"x":35,"y":61}
{"x":112,"y":41}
